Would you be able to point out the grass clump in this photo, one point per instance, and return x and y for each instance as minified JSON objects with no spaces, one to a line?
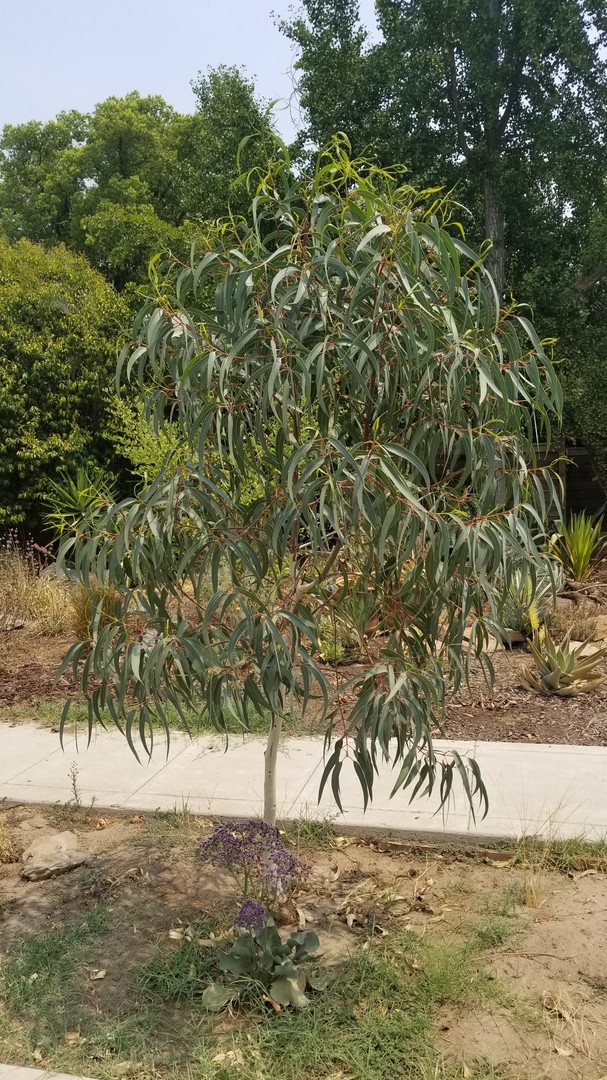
{"x":310,"y":834}
{"x":27,"y":594}
{"x":494,"y":932}
{"x":37,"y":978}
{"x":182,"y":973}
{"x":7,"y":850}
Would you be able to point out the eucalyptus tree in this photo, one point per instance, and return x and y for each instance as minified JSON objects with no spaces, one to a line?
{"x":345,"y":348}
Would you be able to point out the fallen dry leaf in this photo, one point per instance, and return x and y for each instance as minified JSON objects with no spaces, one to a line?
{"x":575,"y":875}
{"x":100,"y":974}
{"x":564,"y":1051}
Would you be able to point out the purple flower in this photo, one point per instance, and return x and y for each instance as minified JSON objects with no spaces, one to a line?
{"x":252,"y":916}
{"x":254,"y":853}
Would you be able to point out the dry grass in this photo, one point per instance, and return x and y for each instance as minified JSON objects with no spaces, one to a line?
{"x":85,"y":603}
{"x":7,"y":852}
{"x":580,"y":622}
{"x":42,"y":601}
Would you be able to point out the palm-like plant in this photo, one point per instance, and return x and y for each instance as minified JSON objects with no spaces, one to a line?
{"x":346,"y":346}
{"x":578,"y":545}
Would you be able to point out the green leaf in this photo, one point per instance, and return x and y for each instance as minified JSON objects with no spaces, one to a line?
{"x":216,"y":996}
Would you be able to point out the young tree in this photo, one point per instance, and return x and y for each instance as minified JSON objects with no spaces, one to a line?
{"x":347,"y":348}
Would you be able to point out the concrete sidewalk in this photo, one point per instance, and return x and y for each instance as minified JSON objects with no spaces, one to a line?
{"x":557,"y":790}
{"x":16,"y":1072}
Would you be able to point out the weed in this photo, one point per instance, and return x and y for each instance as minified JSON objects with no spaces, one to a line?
{"x":494,"y":932}
{"x":178,"y":827}
{"x":505,"y":903}
{"x":183,"y":972}
{"x":316,"y":833}
{"x":76,"y":799}
{"x":565,"y":856}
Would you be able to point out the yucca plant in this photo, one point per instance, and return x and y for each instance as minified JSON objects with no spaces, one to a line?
{"x":562,"y":669}
{"x":578,"y":545}
{"x":345,"y":349}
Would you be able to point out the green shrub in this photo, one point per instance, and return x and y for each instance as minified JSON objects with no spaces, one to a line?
{"x":60,"y":327}
{"x":579,"y":544}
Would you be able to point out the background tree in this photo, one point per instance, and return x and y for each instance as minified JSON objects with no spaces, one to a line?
{"x":60,"y":325}
{"x":505,"y":101}
{"x":133,"y":178}
{"x":506,"y":98}
{"x":348,"y":349}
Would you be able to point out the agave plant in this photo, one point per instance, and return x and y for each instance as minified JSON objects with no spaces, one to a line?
{"x":562,"y":669}
{"x":578,"y":545}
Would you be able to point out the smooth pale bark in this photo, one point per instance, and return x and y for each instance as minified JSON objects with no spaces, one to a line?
{"x":269,"y":780}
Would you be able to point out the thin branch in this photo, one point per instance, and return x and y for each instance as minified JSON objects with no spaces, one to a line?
{"x":586,"y":281}
{"x":326,"y":570}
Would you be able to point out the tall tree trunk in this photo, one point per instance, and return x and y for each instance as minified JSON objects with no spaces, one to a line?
{"x":269,"y":780}
{"x":494,"y":229}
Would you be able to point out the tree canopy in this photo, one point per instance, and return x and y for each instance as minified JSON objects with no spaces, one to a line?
{"x":505,"y":102}
{"x":132,"y":178}
{"x":506,"y":98}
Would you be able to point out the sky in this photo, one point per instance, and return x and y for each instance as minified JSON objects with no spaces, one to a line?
{"x":71,"y":54}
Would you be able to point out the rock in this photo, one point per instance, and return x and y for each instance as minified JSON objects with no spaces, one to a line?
{"x":492,"y":644}
{"x":564,"y":606}
{"x":588,"y":649}
{"x":601,"y":628}
{"x":515,"y":637}
{"x":52,"y":855}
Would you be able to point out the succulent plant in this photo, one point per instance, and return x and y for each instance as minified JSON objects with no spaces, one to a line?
{"x":562,"y":669}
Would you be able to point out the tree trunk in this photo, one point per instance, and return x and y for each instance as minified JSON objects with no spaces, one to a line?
{"x":269,"y":779}
{"x":494,"y":229}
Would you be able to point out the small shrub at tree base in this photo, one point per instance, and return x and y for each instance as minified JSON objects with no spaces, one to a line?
{"x":261,"y":965}
{"x":254,"y":854}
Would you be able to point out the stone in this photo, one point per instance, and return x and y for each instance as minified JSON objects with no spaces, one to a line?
{"x":588,"y":648}
{"x":52,"y":855}
{"x":601,"y":628}
{"x":492,"y":645}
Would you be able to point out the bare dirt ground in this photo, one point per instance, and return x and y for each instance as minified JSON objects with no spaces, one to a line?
{"x":540,"y":935}
{"x":509,"y":714}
